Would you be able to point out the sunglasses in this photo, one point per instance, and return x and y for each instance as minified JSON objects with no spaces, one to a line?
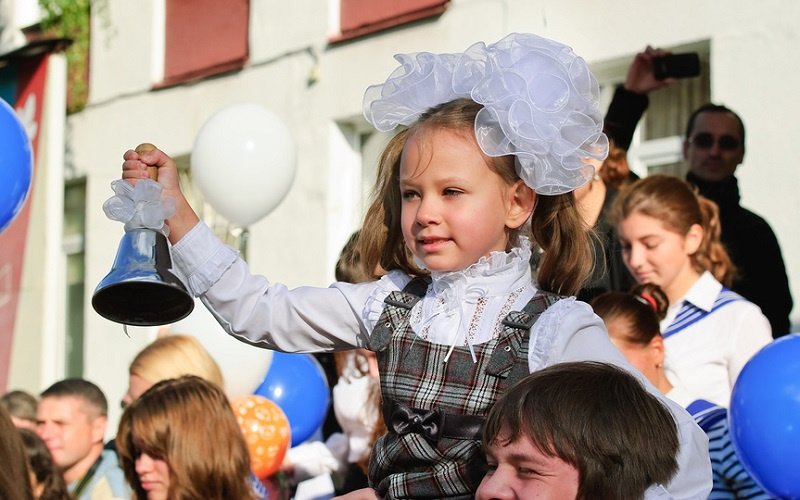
{"x":704,"y":140}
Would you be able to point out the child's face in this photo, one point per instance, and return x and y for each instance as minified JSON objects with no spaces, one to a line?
{"x":153,"y":475}
{"x":519,"y":470}
{"x":655,"y":254}
{"x":455,"y":209}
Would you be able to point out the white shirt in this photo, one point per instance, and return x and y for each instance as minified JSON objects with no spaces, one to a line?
{"x":309,"y":319}
{"x":707,"y":356}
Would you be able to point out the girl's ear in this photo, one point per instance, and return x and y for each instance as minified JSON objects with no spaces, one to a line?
{"x":656,"y":348}
{"x":693,"y":239}
{"x":521,"y":200}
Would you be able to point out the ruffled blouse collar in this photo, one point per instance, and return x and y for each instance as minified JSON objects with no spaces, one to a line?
{"x":495,"y":274}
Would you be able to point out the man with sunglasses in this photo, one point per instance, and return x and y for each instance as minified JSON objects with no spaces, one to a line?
{"x":713,"y":149}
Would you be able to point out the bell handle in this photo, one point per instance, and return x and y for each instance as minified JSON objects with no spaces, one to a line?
{"x":143,"y":148}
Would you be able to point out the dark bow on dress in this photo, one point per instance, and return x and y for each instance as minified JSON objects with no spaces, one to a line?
{"x":405,"y":420}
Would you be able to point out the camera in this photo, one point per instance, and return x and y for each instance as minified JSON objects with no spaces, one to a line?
{"x":684,"y":65}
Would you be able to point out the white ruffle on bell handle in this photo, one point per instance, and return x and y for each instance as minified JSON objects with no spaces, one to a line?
{"x":141,"y":289}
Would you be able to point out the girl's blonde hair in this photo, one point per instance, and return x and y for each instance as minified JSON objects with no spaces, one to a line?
{"x":175,"y":355}
{"x":188,"y":423}
{"x":556,"y":225}
{"x":679,"y":207}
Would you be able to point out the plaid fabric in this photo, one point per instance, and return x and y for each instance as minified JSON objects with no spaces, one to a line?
{"x":413,"y":372}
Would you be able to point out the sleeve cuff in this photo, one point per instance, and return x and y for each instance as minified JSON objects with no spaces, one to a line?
{"x":202,"y":258}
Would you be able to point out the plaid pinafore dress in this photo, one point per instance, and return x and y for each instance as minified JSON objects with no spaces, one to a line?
{"x":434,"y":410}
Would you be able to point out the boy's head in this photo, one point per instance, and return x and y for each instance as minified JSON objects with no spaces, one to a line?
{"x":583,"y":430}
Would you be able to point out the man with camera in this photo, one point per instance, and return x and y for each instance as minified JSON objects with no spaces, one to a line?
{"x":713,"y":149}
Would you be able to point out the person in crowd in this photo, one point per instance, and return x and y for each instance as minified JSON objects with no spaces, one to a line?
{"x":670,"y":238}
{"x":46,"y":480}
{"x":21,"y":406}
{"x":173,"y":356}
{"x":569,"y":432}
{"x":713,"y":148}
{"x":596,"y":197}
{"x":14,"y":481}
{"x":166,"y":357}
{"x":355,"y":403}
{"x":180,"y":439}
{"x":632,"y":319}
{"x":71,"y":420}
{"x":457,"y":318}
{"x":594,"y":203}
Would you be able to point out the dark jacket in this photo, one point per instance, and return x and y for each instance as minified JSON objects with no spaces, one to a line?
{"x":754,"y":250}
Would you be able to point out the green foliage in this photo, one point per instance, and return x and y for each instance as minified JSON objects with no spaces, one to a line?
{"x":72,"y":19}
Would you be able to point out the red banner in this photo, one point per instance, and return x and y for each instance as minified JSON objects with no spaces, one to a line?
{"x":28,"y":81}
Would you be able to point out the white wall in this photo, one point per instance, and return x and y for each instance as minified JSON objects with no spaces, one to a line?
{"x":753,"y":46}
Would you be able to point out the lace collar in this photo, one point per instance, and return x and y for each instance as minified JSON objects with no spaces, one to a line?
{"x":495,"y":274}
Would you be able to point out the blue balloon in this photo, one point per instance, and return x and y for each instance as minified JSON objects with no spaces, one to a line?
{"x":297,"y":383}
{"x":764,"y":417}
{"x":16,"y":165}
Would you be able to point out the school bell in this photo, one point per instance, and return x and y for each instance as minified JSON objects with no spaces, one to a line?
{"x":141,"y":289}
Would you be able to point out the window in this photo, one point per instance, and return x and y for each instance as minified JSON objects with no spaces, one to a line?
{"x":372,"y":144}
{"x":657,"y":145}
{"x":361,"y":17}
{"x":664,"y":124}
{"x":203,"y":38}
{"x":74,"y":234}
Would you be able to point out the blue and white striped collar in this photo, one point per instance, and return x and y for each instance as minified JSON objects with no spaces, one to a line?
{"x":703,"y":293}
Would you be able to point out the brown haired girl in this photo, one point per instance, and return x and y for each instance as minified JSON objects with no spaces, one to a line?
{"x":497,"y":139}
{"x":180,"y":439}
{"x":670,"y":237}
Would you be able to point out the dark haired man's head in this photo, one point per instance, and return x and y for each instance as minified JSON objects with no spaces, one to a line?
{"x":714,"y":144}
{"x":71,"y":420}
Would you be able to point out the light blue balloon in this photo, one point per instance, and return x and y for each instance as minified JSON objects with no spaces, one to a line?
{"x":16,"y":165}
{"x":764,"y":417}
{"x":297,"y":383}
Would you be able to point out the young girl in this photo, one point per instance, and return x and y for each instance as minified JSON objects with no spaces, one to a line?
{"x":496,"y":139}
{"x":670,"y":238}
{"x":180,"y":439}
{"x":632,"y":320}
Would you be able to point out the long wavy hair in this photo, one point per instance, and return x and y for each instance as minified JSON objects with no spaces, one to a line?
{"x":14,"y":481}
{"x":679,"y":207}
{"x":188,"y":423}
{"x":555,"y":225}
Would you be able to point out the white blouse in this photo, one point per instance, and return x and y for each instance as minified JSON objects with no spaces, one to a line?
{"x":460,"y":308}
{"x":707,"y":356}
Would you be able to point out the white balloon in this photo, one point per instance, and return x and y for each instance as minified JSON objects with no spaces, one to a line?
{"x":243,"y":366}
{"x":243,"y":161}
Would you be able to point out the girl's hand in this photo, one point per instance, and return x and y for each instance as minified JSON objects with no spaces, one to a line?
{"x":135,"y":168}
{"x":363,"y":494}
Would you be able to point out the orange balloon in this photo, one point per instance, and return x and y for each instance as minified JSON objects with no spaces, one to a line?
{"x":266,"y":430}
